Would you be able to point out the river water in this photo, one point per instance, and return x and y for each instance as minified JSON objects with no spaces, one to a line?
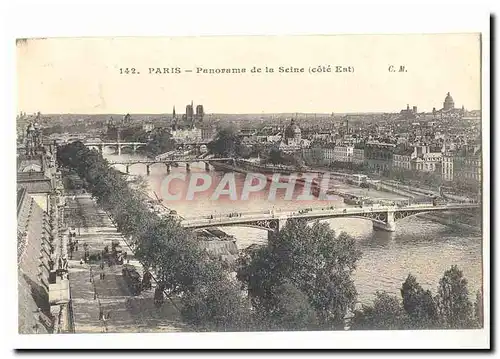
{"x":419,"y":246}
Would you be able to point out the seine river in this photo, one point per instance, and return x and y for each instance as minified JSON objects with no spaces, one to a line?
{"x":419,"y":246}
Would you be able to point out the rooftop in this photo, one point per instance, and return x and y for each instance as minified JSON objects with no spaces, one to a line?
{"x":34,"y":182}
{"x":26,"y":163}
{"x":32,"y":267}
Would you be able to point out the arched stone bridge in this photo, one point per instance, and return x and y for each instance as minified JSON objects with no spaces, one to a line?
{"x":383,"y":217}
{"x":118,"y":145}
{"x":169,"y":163}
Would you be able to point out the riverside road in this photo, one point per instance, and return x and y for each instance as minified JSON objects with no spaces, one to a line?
{"x":106,"y":304}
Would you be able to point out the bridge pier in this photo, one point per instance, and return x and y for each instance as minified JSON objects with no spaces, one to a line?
{"x":207,"y":167}
{"x":101,"y":148}
{"x":188,"y":167}
{"x":389,"y":225}
{"x":119,"y":150}
{"x":127,"y":167}
{"x":276,"y":225}
{"x":134,"y":148}
{"x":271,"y":235}
{"x":148,"y":170}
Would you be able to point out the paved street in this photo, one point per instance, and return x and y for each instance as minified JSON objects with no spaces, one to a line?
{"x":110,"y":296}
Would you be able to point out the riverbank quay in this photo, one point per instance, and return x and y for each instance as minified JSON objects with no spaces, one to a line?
{"x":336,"y":184}
{"x":101,"y":298}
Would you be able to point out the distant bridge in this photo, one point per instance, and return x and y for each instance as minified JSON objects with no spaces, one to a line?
{"x":169,"y":162}
{"x":383,"y":217}
{"x":118,"y":145}
{"x":191,"y":142}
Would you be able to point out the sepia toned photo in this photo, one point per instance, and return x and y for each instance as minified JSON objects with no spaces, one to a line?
{"x":250,"y":184}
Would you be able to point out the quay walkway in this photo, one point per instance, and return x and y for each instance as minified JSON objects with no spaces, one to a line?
{"x":95,"y":298}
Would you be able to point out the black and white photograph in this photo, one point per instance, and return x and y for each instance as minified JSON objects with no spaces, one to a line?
{"x":248,"y":184}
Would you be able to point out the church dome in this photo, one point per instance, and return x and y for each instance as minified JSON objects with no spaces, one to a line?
{"x":292,"y":130}
{"x":448,"y":102}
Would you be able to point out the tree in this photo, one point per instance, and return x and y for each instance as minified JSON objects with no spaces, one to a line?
{"x":133,"y":134}
{"x":215,"y":302}
{"x":275,"y":156}
{"x":161,"y":141}
{"x":291,"y":310}
{"x":386,"y":313}
{"x":227,"y":143}
{"x":454,"y":307}
{"x":313,"y":260}
{"x":418,"y":304}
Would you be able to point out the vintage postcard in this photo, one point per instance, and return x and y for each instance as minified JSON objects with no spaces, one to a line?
{"x":272,"y":184}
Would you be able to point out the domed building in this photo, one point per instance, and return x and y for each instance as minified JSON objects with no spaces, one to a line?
{"x":448,"y":103}
{"x":293,"y":133}
{"x":449,"y":110}
{"x":292,"y":139}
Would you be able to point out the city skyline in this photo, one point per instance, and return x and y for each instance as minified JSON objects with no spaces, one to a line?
{"x":81,"y":76}
{"x":289,"y":113}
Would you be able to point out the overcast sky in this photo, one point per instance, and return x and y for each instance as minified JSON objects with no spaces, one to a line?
{"x":83,"y":76}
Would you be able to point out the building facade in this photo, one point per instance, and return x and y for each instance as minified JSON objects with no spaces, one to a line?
{"x":447,"y":167}
{"x":358,"y":155}
{"x":379,"y":156}
{"x":427,"y":162}
{"x":343,"y":153}
{"x":187,"y":135}
{"x":402,"y":158}
{"x":208,"y":133}
{"x":468,"y":167}
{"x":329,"y":154}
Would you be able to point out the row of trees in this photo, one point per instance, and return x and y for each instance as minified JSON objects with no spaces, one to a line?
{"x":302,"y":280}
{"x":210,"y":298}
{"x":417,"y":308}
{"x":412,"y":177}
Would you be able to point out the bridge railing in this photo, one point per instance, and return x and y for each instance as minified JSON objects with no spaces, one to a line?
{"x":304,"y":212}
{"x":169,"y":160}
